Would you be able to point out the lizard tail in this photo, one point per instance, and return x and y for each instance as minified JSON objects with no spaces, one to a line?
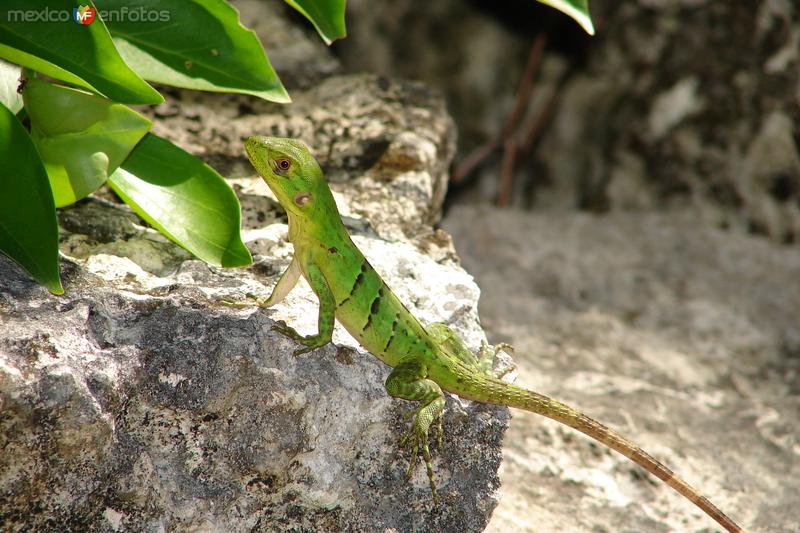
{"x":514,"y":396}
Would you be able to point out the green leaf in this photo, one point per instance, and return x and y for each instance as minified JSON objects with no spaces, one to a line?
{"x":41,"y":35}
{"x":9,"y":81}
{"x":28,"y":229}
{"x":82,"y":138}
{"x":327,"y":16}
{"x":184,"y":199}
{"x":195,"y":44}
{"x":577,"y":9}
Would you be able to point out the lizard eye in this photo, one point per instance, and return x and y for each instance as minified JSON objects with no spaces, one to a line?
{"x":282,"y":165}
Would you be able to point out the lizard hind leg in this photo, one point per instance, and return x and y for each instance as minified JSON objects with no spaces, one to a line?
{"x":488,"y":354}
{"x":451,"y":343}
{"x":409,"y":381}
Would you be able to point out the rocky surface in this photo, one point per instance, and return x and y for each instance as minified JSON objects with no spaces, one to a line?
{"x":683,"y":337}
{"x":137,"y":403}
{"x":683,"y":103}
{"x":477,"y":70}
{"x":672,"y":102}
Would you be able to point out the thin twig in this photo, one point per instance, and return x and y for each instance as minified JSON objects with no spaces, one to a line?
{"x":465,"y":167}
{"x":507,"y":172}
{"x":523,"y":97}
{"x":535,"y":126}
{"x":479,"y":154}
{"x":524,"y":90}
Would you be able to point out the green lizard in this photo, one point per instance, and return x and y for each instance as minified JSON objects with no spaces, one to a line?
{"x":426,"y":359}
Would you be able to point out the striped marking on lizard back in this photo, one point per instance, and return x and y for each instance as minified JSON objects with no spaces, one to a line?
{"x":391,"y":335}
{"x":356,"y":284}
{"x":373,"y":308}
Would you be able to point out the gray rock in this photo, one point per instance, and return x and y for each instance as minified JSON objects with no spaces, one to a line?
{"x":683,"y":337}
{"x":452,"y":45}
{"x":655,"y":119}
{"x":136,"y":403}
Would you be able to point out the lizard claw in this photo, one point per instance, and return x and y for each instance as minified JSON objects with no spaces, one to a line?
{"x":287,"y":331}
{"x":301,"y":351}
{"x":250,"y":300}
{"x":417,"y":437}
{"x":310,"y":342}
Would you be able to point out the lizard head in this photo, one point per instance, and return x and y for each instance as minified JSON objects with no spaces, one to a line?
{"x":291,"y":172}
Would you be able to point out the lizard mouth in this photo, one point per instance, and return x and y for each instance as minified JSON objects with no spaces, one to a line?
{"x":251,"y":145}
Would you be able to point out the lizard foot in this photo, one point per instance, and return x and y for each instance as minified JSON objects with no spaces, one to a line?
{"x":487,"y":355}
{"x":251,"y":300}
{"x":409,"y":380}
{"x":417,"y":437}
{"x":311,"y":342}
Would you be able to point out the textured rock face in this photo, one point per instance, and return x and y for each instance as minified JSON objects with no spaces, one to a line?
{"x":158,"y":410}
{"x":137,"y":402}
{"x":683,"y":337}
{"x":683,"y":101}
{"x":478,"y":69}
{"x":671,"y":102}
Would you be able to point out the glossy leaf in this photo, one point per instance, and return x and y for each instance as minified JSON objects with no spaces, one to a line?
{"x":41,"y":35}
{"x":82,"y":138}
{"x":28,"y":228}
{"x":196,"y":44}
{"x":9,"y":81}
{"x":183,"y":198}
{"x":327,"y":16}
{"x":577,"y":9}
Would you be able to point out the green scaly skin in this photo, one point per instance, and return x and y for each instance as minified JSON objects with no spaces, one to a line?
{"x":426,"y":360}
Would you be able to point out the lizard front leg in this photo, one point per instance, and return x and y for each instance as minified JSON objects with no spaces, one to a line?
{"x":285,"y":284}
{"x":409,"y":381}
{"x":325,"y":320}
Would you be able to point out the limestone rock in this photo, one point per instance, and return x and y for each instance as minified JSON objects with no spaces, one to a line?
{"x":137,"y":403}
